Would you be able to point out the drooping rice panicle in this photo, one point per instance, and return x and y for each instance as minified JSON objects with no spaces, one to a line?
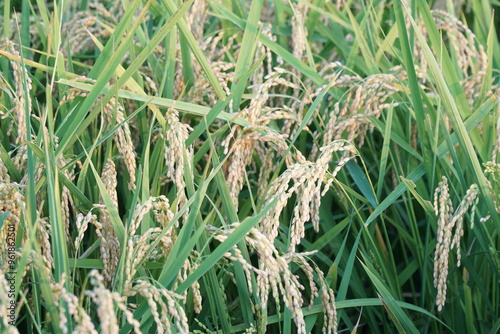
{"x":450,"y":231}
{"x":177,"y":155}
{"x":123,"y":138}
{"x":310,"y":183}
{"x":110,"y":245}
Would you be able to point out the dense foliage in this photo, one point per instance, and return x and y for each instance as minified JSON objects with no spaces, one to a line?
{"x":237,"y":166}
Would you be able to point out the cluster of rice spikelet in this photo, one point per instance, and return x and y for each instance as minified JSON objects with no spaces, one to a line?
{"x":242,"y":150}
{"x":471,"y":56}
{"x":111,"y":306}
{"x":79,"y":29}
{"x":177,"y":155}
{"x":110,"y":245}
{"x":22,"y":101}
{"x":365,"y":97}
{"x":196,"y":18}
{"x":450,"y":230}
{"x":97,"y":22}
{"x":472,"y":59}
{"x":214,"y":48}
{"x":310,"y":181}
{"x":82,"y":223}
{"x":274,"y":276}
{"x":68,"y":301}
{"x":106,"y":302}
{"x":67,"y":204}
{"x":243,"y":142}
{"x":113,"y":113}
{"x":44,"y":233}
{"x":164,"y":305}
{"x":138,"y":247}
{"x":189,"y":266}
{"x":299,"y":30}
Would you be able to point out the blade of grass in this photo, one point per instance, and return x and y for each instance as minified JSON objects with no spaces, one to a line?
{"x":247,"y":50}
{"x":187,"y":66}
{"x":12,"y":169}
{"x":3,"y":216}
{"x":350,"y":303}
{"x":385,"y":152}
{"x":360,"y":32}
{"x":415,"y":91}
{"x":362,"y":182}
{"x":58,"y":233}
{"x":162,"y":102}
{"x":416,"y":174}
{"x":396,"y":312}
{"x":428,"y":207}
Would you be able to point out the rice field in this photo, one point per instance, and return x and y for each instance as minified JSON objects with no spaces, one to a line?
{"x":265,"y":166}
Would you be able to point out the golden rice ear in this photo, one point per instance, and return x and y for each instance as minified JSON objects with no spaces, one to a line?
{"x":299,"y":30}
{"x":80,"y":28}
{"x":443,"y":209}
{"x":4,"y":173}
{"x":330,"y":322}
{"x":491,"y":169}
{"x":122,"y":138}
{"x":177,"y":155}
{"x":196,"y":18}
{"x":114,"y":113}
{"x":365,"y":98}
{"x":66,"y":198}
{"x":22,"y":105}
{"x":214,"y":49}
{"x":138,"y":246}
{"x":308,"y":181}
{"x":82,"y":223}
{"x":164,"y":305}
{"x":187,"y":268}
{"x":275,"y":277}
{"x":105,"y":302}
{"x":446,"y":238}
{"x":110,"y":245}
{"x":22,"y":101}
{"x":243,"y":142}
{"x":472,"y":59}
{"x":44,"y":232}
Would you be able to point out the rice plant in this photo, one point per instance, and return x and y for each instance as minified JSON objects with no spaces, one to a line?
{"x":249,"y":166}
